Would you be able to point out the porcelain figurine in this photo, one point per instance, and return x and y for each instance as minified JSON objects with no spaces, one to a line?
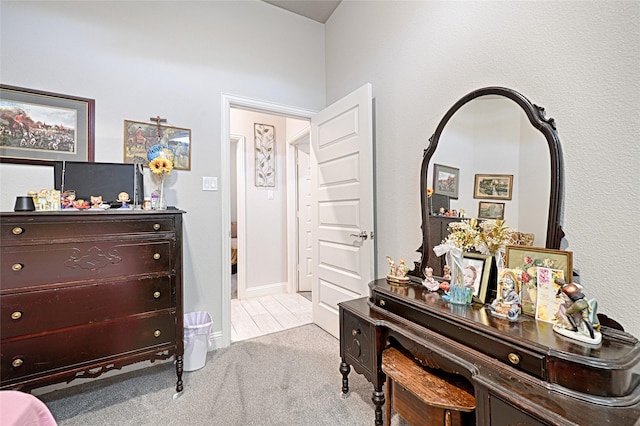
{"x":507,"y":304}
{"x":429,"y":282}
{"x":577,"y":315}
{"x":123,"y":198}
{"x":397,"y":273}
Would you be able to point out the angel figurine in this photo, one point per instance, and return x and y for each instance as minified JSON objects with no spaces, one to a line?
{"x":397,"y":273}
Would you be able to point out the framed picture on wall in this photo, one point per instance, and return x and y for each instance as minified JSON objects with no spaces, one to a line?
{"x":490,"y":210}
{"x":265,"y":151}
{"x":446,"y":180}
{"x":40,"y":128}
{"x":496,"y":187}
{"x":139,"y":137}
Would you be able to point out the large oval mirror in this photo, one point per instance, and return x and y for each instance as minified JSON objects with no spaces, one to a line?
{"x":493,"y":135}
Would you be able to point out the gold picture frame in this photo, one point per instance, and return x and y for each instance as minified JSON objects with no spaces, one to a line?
{"x":528,"y":259}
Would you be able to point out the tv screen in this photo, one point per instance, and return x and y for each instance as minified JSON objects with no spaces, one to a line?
{"x":105,"y":179}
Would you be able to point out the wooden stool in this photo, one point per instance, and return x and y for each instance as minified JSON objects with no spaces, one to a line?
{"x":423,"y":398}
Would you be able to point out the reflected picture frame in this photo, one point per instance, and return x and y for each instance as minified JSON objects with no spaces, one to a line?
{"x":480,"y":265}
{"x":40,"y":128}
{"x":494,"y":187}
{"x":446,"y":180}
{"x":490,"y":210}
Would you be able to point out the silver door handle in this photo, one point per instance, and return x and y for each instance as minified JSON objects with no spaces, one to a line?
{"x":362,"y":234}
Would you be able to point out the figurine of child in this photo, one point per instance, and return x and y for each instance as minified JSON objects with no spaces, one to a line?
{"x":123,"y":197}
{"x":507,"y":305}
{"x":429,"y":282}
{"x":577,"y":316}
{"x":96,"y":201}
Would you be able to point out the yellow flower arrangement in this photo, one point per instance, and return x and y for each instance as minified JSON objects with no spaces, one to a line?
{"x":160,"y":166}
{"x":429,"y":192}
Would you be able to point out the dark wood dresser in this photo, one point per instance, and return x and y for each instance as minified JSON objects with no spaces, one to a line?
{"x":83,"y":293}
{"x":521,"y":372}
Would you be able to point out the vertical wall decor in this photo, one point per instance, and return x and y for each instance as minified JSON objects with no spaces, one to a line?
{"x":265,"y":143}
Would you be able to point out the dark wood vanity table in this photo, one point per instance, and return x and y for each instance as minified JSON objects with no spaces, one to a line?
{"x":522,"y":372}
{"x":83,"y":293}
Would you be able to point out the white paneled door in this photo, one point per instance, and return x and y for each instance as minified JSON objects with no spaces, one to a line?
{"x":342,"y":204}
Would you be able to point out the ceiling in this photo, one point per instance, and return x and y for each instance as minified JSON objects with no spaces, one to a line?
{"x":318,"y":10}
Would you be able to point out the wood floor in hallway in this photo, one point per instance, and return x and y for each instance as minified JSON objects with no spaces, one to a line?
{"x":264,"y":315}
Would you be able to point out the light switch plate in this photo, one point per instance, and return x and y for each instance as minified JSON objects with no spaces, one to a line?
{"x":209,"y":183}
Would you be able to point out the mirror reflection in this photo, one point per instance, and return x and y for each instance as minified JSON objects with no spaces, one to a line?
{"x":494,"y":155}
{"x":490,"y":140}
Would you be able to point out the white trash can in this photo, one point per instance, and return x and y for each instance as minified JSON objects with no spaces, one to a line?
{"x":197,"y":326}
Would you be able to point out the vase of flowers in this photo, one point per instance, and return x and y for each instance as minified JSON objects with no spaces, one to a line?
{"x":160,"y":167}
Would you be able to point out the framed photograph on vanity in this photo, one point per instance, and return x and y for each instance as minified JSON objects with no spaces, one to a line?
{"x":139,"y":137}
{"x":495,"y":187}
{"x":40,"y":128}
{"x":529,"y":260}
{"x":476,"y":270}
{"x":446,"y":180}
{"x":490,"y":210}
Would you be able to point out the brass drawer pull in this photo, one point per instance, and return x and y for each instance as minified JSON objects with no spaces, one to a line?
{"x":156,"y":295}
{"x":382,"y":303}
{"x":355,"y":332}
{"x":514,"y":358}
{"x":17,"y":362}
{"x":157,"y":333}
{"x":156,"y":226}
{"x":17,"y":230}
{"x":16,"y":267}
{"x":16,"y":315}
{"x":156,"y":256}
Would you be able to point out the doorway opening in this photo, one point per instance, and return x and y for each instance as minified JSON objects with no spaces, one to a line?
{"x":266,"y":218}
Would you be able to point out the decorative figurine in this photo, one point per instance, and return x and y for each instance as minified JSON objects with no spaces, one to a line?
{"x":67,"y":199}
{"x":577,"y":316}
{"x":507,"y":304}
{"x":123,"y":197}
{"x":96,"y":201}
{"x":397,"y":273}
{"x":429,"y":282}
{"x":446,"y":272}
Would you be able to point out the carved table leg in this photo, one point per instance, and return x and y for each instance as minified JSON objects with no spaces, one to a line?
{"x":378,"y":401}
{"x":179,"y":370}
{"x":345,"y":369}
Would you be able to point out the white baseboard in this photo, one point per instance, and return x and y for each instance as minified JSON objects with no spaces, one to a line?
{"x":215,"y":341}
{"x":266,"y":290}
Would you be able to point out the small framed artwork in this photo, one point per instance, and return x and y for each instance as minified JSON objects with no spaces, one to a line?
{"x":446,"y":180}
{"x":496,"y":187}
{"x":489,"y":210}
{"x":476,"y":270}
{"x":533,"y":261}
{"x":265,"y":146}
{"x":139,"y":137}
{"x":41,"y":128}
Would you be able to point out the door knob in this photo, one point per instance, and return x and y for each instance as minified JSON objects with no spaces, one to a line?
{"x":362,"y":234}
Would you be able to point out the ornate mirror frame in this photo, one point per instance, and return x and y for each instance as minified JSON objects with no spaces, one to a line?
{"x":537,"y":118}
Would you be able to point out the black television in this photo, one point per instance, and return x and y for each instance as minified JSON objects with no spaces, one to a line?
{"x":105,"y":179}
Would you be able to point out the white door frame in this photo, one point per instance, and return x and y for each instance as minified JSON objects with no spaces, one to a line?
{"x":292,"y":207}
{"x":241,"y":196}
{"x":229,"y":101}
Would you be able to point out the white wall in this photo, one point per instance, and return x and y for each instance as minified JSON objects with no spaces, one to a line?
{"x":173,"y":59}
{"x":266,"y":219}
{"x":580,"y":60}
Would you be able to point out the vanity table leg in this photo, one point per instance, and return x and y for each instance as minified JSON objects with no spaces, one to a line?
{"x":345,"y":369}
{"x":378,"y":401}
{"x":179,"y":370}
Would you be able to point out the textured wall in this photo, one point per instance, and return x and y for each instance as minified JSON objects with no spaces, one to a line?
{"x":580,"y":60}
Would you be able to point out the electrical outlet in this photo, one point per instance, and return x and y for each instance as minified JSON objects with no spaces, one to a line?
{"x":209,"y":183}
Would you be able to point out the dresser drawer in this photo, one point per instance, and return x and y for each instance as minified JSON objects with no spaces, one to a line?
{"x":22,"y":313}
{"x":356,"y":340}
{"x":73,"y":348}
{"x":24,"y":266}
{"x":26,"y":230}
